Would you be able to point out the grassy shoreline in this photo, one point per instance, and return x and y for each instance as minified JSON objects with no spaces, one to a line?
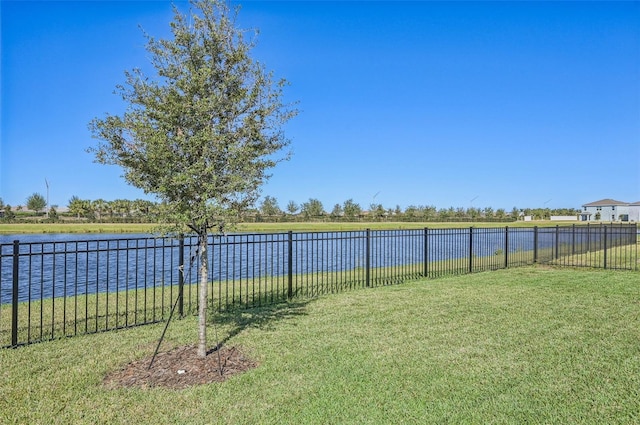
{"x":44,"y":228}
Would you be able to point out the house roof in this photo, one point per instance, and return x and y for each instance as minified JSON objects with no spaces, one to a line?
{"x":635,"y":203}
{"x":605,"y":203}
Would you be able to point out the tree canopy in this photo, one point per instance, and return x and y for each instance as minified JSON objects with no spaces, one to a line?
{"x":312,"y":208}
{"x":269,"y":206}
{"x":351,"y":209}
{"x":202,"y":134}
{"x":36,"y":202}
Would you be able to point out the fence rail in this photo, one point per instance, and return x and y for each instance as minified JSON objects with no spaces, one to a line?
{"x":57,"y":289}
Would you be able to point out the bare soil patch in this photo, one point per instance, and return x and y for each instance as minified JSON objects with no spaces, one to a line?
{"x":180,"y":368}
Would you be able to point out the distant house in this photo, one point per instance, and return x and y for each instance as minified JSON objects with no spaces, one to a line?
{"x":634,"y":211}
{"x":610,"y":210}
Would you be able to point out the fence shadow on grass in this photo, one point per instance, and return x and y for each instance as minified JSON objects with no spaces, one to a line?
{"x":237,"y":320}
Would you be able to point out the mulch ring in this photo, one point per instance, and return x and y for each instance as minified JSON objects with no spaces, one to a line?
{"x":180,"y":368}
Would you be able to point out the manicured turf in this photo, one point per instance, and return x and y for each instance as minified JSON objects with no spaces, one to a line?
{"x":528,"y":345}
{"x":25,"y":228}
{"x":31,"y":228}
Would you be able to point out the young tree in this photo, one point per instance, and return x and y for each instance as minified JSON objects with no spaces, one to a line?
{"x":446,"y":214}
{"x":352,"y":210}
{"x":337,"y":211}
{"x":292,"y":207}
{"x":36,"y":202}
{"x":99,"y":206}
{"x":488,"y":212}
{"x":472,"y":213}
{"x":269,"y":207}
{"x":430,"y":212}
{"x":412,"y":212}
{"x":9,"y":215}
{"x":202,"y":133}
{"x":79,"y":207}
{"x":121,"y":207}
{"x":313,"y":208}
{"x":377,"y":211}
{"x":53,"y":215}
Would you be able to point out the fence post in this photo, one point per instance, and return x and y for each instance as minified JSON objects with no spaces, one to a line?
{"x":471,"y":249}
{"x":605,"y":247}
{"x":506,"y":247}
{"x":368,"y":258}
{"x":573,"y":240}
{"x":14,"y":297}
{"x":557,"y":242}
{"x":535,"y":244}
{"x":425,"y":268}
{"x":290,"y":265}
{"x":181,"y":276}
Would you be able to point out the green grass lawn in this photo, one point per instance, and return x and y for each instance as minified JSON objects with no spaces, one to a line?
{"x":31,"y":228}
{"x":73,"y":227}
{"x":528,"y":345}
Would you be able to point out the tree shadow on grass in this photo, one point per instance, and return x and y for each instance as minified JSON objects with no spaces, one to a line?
{"x":237,"y":320}
{"x":180,"y":368}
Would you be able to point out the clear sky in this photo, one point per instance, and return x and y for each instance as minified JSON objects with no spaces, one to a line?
{"x":459,"y":104}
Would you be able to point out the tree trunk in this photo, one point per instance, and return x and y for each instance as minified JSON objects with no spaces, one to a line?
{"x":202,"y":302}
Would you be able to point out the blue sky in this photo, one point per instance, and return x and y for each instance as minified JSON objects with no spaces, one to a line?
{"x":459,"y":104}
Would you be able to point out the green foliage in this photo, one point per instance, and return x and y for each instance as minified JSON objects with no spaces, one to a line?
{"x":8,"y":214}
{"x":351,"y":209}
{"x":121,"y":207}
{"x":100,"y":207}
{"x":79,"y":207}
{"x":292,"y":207}
{"x":377,"y":211}
{"x":312,"y":208}
{"x":36,"y":202}
{"x":515,"y":213}
{"x":201,"y":133}
{"x":269,"y":206}
{"x":53,"y":215}
{"x":337,"y":211}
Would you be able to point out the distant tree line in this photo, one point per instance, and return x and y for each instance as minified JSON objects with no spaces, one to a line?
{"x":140,"y":210}
{"x":99,"y":210}
{"x":268,"y":210}
{"x":349,"y":210}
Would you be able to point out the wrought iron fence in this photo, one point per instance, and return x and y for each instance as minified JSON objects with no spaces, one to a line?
{"x":57,"y":289}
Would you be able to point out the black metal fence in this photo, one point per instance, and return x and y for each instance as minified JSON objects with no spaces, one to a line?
{"x":57,"y":289}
